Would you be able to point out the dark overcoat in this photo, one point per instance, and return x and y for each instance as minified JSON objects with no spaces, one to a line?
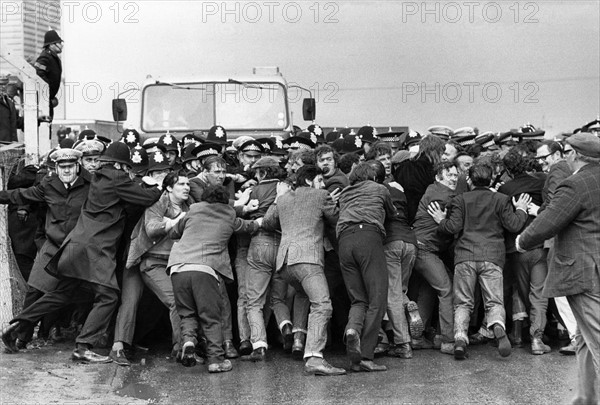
{"x":90,"y":251}
{"x":64,"y":207}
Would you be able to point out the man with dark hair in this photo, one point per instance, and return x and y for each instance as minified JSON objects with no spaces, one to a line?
{"x":348,"y":161}
{"x":573,"y":216}
{"x":301,"y":215}
{"x":528,"y":269}
{"x":433,"y":247}
{"x":364,"y":206}
{"x":400,"y":248}
{"x":382,"y":152}
{"x":198,"y":264}
{"x":327,"y":160}
{"x":480,"y":217}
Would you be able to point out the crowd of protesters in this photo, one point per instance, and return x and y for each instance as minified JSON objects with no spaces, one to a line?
{"x":383,"y":242}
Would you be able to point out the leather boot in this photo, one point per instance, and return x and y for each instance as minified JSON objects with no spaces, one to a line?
{"x":298,"y":346}
{"x":9,"y":337}
{"x":229,"y":349}
{"x":288,"y":337}
{"x":538,"y":347}
{"x":515,"y":335}
{"x":259,"y":354}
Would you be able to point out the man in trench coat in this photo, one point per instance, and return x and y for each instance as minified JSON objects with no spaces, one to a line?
{"x":87,"y":257}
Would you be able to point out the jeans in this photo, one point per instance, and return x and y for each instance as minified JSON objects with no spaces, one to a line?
{"x":489,"y":275}
{"x":400,"y":258}
{"x":262,"y":256}
{"x":530,"y":270}
{"x":431,"y":267}
{"x":198,"y":296}
{"x":366,"y":276}
{"x":152,"y":274}
{"x":308,"y":280}
{"x":241,"y":271}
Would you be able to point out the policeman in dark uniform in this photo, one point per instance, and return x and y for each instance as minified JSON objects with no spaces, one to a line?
{"x":49,"y":67}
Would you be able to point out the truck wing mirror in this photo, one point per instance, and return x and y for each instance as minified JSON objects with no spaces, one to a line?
{"x":309,"y":109}
{"x":119,"y":109}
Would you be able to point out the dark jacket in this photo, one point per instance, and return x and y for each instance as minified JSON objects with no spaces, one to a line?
{"x":397,"y":228}
{"x":414,"y":176}
{"x":429,"y":237}
{"x":365,"y":202}
{"x":49,"y":67}
{"x":337,"y":180}
{"x":64,"y":208}
{"x":265,"y":192}
{"x":204,"y":235}
{"x":523,"y":183}
{"x":9,"y":120}
{"x":573,"y":215}
{"x":90,"y":251}
{"x":557,"y":173}
{"x":480,"y":218}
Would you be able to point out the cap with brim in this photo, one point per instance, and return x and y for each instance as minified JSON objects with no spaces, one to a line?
{"x":593,"y":126}
{"x":390,"y":137}
{"x":585,"y":144}
{"x":503,"y":137}
{"x":117,"y":152}
{"x":400,"y":156}
{"x":65,"y":155}
{"x":441,"y":131}
{"x":90,"y":147}
{"x":465,"y":140}
{"x":207,"y":149}
{"x":267,"y":161}
{"x":463,"y":131}
{"x":486,"y":139}
{"x":298,"y":142}
{"x":529,"y":132}
{"x":251,"y":146}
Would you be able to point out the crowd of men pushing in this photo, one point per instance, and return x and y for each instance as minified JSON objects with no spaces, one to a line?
{"x":356,"y":223}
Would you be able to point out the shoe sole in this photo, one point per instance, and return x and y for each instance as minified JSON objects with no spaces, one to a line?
{"x":353,"y":348}
{"x":87,"y":361}
{"x":460,"y":354}
{"x":415,"y":323}
{"x":220,"y":369}
{"x":568,"y":352}
{"x":504,"y":347}
{"x":322,"y":373}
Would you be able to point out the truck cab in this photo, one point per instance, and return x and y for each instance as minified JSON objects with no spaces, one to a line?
{"x":257,"y":105}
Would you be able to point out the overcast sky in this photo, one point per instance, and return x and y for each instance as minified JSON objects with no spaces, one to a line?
{"x":494,"y":65}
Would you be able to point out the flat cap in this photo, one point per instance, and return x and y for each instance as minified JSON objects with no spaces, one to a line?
{"x":585,"y":144}
{"x":267,"y":161}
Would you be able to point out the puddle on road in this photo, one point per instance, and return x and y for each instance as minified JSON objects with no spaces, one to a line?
{"x":138,"y":390}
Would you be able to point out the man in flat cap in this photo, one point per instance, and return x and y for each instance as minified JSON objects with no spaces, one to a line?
{"x":573,"y":216}
{"x":49,"y":67}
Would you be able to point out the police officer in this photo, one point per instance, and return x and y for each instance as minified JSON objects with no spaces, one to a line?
{"x":49,"y":67}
